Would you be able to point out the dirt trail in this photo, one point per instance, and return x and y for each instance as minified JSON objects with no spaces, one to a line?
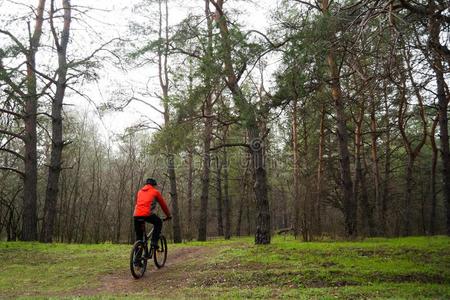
{"x":174,"y":274}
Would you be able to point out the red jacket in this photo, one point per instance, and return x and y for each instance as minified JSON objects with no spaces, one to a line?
{"x":146,"y":201}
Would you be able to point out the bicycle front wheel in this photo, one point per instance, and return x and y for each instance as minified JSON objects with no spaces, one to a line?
{"x":138,"y":263}
{"x":160,"y":254}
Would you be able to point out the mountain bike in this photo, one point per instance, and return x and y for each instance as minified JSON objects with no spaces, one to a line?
{"x":141,"y":253}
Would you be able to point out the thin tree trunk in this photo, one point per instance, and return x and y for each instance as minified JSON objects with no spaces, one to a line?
{"x":174,"y":198}
{"x":434,"y":158}
{"x":203,"y":213}
{"x":164,"y":83}
{"x":226,"y":202}
{"x":374,"y":159}
{"x":408,"y":194}
{"x":120,"y":196}
{"x":207,"y":137}
{"x":320,"y":171}
{"x":307,"y":207}
{"x":219,"y":197}
{"x":240,"y":211}
{"x":360,"y":187}
{"x":296,"y":171}
{"x":359,"y":175}
{"x":387,"y":169}
{"x":247,"y":215}
{"x":54,"y":169}
{"x":190,"y":192}
{"x":11,"y":236}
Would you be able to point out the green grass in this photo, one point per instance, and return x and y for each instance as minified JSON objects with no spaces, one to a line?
{"x":406,"y":268}
{"x":39,"y":268}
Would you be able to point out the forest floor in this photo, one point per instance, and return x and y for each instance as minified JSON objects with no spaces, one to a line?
{"x":408,"y":268}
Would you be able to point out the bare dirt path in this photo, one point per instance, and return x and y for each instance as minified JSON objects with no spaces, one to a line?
{"x":174,"y":274}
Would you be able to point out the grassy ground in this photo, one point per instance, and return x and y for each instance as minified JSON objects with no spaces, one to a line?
{"x":409,"y":268}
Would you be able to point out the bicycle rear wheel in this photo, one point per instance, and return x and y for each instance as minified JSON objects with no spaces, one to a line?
{"x":138,"y":263}
{"x":160,"y":254}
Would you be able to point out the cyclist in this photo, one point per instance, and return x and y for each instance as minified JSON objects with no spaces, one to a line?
{"x":146,"y":200}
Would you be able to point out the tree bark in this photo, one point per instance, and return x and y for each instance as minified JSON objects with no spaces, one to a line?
{"x":190,"y":192}
{"x":247,"y":113}
{"x":374,"y":160}
{"x":357,"y":187}
{"x":320,"y":171}
{"x":412,"y":152}
{"x":164,"y":83}
{"x":174,"y":198}
{"x":227,"y":199}
{"x":219,"y":197}
{"x":54,"y":169}
{"x":349,"y":205}
{"x":443,"y":96}
{"x":296,"y":170}
{"x":433,"y":195}
{"x":29,"y":217}
{"x":243,"y":199}
{"x":207,"y":137}
{"x":387,"y":168}
{"x":262,"y":235}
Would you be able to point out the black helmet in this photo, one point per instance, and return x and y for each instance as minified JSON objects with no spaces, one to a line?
{"x":151,"y":181}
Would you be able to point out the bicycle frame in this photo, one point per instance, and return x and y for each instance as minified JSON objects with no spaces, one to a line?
{"x":148,"y":237}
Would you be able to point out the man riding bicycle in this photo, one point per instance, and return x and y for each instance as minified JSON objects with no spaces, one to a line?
{"x":147,"y":198}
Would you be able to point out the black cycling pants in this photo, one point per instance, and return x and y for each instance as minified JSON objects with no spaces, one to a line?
{"x":139,"y":227}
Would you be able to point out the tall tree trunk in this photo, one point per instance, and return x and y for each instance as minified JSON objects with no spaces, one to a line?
{"x":54,"y":169}
{"x":412,"y":152}
{"x":174,"y":198}
{"x":349,"y":204}
{"x":243,"y":200}
{"x":227,"y":200}
{"x":207,"y":137}
{"x":247,"y":216}
{"x":240,"y":211}
{"x":247,"y":113}
{"x":320,"y":171}
{"x":164,"y":83}
{"x":387,"y":168}
{"x":29,"y":217}
{"x":408,"y":194}
{"x":360,"y":186}
{"x":296,"y":170}
{"x":120,"y":196}
{"x":307,"y":207}
{"x":219,"y":197}
{"x":190,"y":192}
{"x":359,"y":173}
{"x":203,"y":213}
{"x":434,"y":27}
{"x":434,"y":158}
{"x":262,"y":235}
{"x":374,"y":160}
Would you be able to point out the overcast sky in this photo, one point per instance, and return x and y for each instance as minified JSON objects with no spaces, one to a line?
{"x":108,"y":19}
